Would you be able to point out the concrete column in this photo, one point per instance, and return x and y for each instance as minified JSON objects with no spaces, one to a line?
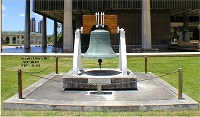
{"x":61,"y":45}
{"x":199,"y":27}
{"x":2,"y":38}
{"x":44,"y":32}
{"x":11,"y":40}
{"x":38,"y":41}
{"x":55,"y":34}
{"x":27,"y":26}
{"x":146,"y":24}
{"x":199,"y":34}
{"x":68,"y":29}
{"x":35,"y":42}
{"x":1,"y":25}
{"x":186,"y":29}
{"x":20,"y":39}
{"x":17,"y":40}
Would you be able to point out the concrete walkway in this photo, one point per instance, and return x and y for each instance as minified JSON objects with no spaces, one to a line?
{"x":152,"y":94}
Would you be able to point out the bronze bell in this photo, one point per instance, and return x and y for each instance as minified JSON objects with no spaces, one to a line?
{"x":100,"y":45}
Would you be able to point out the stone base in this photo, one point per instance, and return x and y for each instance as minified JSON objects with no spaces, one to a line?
{"x":110,"y":79}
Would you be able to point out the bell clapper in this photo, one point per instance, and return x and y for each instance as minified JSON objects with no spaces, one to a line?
{"x":100,"y":62}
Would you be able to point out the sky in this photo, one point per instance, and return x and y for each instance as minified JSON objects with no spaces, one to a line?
{"x":13,"y":16}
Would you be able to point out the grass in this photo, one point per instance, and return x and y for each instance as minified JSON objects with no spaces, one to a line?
{"x":158,"y":66}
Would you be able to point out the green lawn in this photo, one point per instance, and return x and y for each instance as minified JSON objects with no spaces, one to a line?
{"x":159,"y":66}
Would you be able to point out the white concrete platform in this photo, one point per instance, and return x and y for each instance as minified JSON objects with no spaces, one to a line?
{"x":152,"y":94}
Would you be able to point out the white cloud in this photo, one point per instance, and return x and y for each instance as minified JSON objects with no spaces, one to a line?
{"x":21,"y":15}
{"x":3,"y":8}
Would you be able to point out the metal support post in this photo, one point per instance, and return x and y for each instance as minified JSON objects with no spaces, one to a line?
{"x":20,"y":84}
{"x":146,"y":60}
{"x":56,"y":64}
{"x":180,"y":83}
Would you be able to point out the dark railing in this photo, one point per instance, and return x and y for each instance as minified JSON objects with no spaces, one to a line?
{"x":145,"y":55}
{"x":115,"y":4}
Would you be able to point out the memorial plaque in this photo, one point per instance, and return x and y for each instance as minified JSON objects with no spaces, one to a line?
{"x":99,"y":81}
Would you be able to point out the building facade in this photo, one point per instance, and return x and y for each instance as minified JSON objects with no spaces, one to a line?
{"x":33,"y":25}
{"x":163,"y":15}
{"x":13,"y":38}
{"x":40,"y":26}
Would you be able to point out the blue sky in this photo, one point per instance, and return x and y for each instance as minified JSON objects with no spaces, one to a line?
{"x":13,"y":16}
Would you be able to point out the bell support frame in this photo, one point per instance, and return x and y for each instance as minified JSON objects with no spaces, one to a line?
{"x":77,"y":64}
{"x":122,"y":52}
